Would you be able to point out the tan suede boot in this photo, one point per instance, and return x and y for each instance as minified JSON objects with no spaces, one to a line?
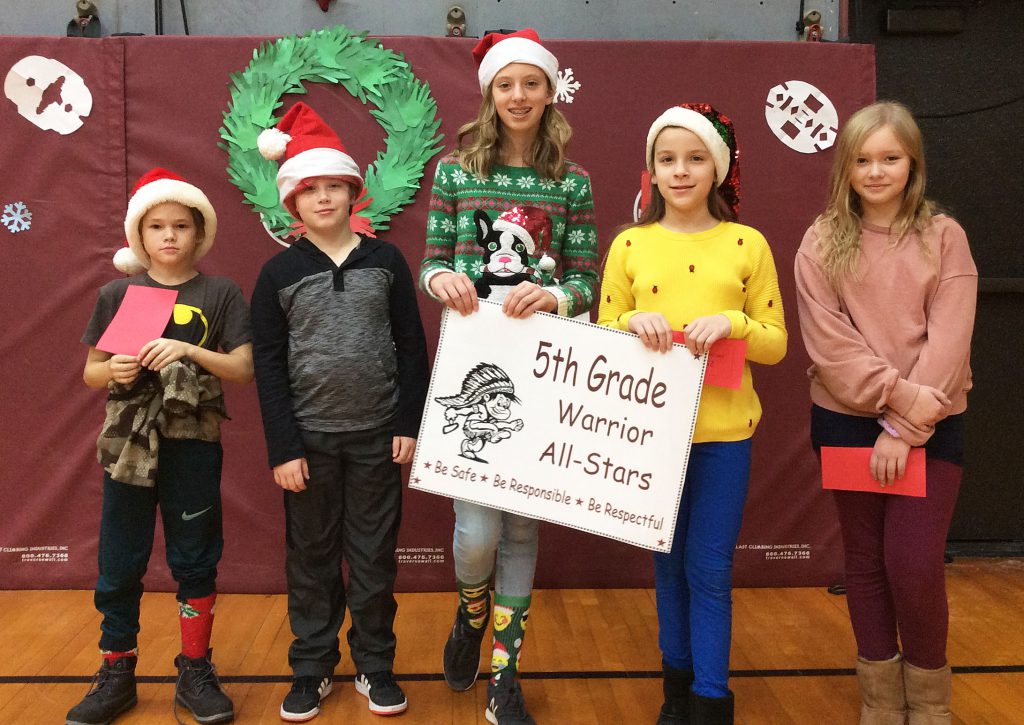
{"x":928,"y":694}
{"x":881,"y":689}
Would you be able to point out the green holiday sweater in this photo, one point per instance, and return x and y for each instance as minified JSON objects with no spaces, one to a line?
{"x":451,"y":233}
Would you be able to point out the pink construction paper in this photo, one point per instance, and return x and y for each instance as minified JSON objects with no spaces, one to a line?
{"x":849,"y":469}
{"x":142,"y":317}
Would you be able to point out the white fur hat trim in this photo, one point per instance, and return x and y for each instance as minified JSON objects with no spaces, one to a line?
{"x":517,"y":50}
{"x":158,"y":192}
{"x":679,"y":117}
{"x":321,"y":161}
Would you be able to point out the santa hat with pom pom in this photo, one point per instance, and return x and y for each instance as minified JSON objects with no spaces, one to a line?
{"x":158,"y":186}
{"x":530,"y":224}
{"x":309,"y":148}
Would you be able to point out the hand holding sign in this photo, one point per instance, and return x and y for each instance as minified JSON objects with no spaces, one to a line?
{"x":560,"y":420}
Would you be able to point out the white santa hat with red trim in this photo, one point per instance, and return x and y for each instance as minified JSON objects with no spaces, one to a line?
{"x":497,"y":50}
{"x":158,"y":186}
{"x":309,"y":148}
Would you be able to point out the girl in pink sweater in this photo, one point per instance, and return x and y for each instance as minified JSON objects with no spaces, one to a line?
{"x":886,"y":290}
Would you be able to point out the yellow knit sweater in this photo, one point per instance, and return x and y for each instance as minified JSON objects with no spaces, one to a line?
{"x":728,"y":269}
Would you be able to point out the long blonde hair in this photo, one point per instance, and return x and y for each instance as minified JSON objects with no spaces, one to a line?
{"x":480,"y":141}
{"x":839,"y":226}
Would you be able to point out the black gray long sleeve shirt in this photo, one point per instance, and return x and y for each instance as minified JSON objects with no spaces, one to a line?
{"x":337,"y":348}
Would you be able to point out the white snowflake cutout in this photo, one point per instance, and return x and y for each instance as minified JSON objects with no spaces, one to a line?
{"x":524,"y":182}
{"x":567,"y":86}
{"x":502,"y":180}
{"x":16,"y":217}
{"x":460,"y":177}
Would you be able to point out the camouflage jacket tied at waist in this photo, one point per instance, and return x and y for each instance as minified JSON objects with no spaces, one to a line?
{"x":181,"y":401}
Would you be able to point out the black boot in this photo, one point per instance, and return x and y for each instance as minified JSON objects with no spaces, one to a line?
{"x":676,"y":684}
{"x":462,"y":651}
{"x":198,"y":689}
{"x":112,"y":692}
{"x":711,"y":710}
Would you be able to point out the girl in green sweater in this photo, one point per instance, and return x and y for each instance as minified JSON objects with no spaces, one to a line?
{"x":507,"y":210}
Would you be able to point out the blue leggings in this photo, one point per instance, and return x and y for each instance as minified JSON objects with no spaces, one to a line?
{"x":693,"y":582}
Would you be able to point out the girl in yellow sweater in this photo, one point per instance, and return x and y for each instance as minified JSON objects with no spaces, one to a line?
{"x":687,"y":265}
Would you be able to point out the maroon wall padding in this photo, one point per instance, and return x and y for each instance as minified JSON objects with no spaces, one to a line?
{"x":158,"y":101}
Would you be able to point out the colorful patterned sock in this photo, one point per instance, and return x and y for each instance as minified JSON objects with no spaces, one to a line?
{"x":474,"y":600}
{"x":113,"y":657}
{"x":510,"y":615}
{"x":196,"y":619}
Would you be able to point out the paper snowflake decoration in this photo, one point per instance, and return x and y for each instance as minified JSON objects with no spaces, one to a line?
{"x":567,"y":86}
{"x":16,"y":217}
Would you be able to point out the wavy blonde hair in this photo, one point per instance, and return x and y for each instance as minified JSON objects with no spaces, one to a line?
{"x":480,"y":141}
{"x":839,"y":226}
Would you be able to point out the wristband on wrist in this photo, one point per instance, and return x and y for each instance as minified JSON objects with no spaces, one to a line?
{"x":888,"y":427}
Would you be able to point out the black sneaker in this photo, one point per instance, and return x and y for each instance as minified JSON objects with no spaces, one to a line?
{"x":198,"y":689}
{"x":384,"y":695}
{"x":505,"y":704}
{"x":461,"y":664}
{"x":303,"y":702}
{"x":111,"y":693}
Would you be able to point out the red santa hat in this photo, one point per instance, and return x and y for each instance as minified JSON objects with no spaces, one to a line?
{"x":158,"y":186}
{"x":530,"y":224}
{"x":497,"y":50}
{"x":309,"y":148}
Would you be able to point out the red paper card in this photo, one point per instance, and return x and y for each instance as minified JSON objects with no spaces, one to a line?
{"x":849,"y":469}
{"x":142,"y":317}
{"x":725,"y":361}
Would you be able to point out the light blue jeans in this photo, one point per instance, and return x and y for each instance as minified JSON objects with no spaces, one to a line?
{"x":483,"y":535}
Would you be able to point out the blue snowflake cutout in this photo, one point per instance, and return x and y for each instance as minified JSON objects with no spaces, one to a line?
{"x":16,"y":217}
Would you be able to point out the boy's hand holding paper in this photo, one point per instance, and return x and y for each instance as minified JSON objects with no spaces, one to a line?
{"x":142,"y":317}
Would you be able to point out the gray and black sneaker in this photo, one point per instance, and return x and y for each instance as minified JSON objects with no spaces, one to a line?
{"x":383,"y":694}
{"x":111,"y":693}
{"x":461,"y":664}
{"x":198,"y":690}
{"x":303,"y":702}
{"x":505,"y":704}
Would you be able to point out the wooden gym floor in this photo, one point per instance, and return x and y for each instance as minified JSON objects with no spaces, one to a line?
{"x":591,"y":656}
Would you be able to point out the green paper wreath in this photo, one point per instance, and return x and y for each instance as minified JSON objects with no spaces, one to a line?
{"x":404,"y":109}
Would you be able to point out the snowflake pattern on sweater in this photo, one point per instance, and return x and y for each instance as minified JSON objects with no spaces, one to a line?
{"x":451,"y":234}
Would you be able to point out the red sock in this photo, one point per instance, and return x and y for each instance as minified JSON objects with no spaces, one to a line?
{"x":196,"y":618}
{"x":112,"y":657}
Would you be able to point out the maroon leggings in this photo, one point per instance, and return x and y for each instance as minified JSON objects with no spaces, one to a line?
{"x":895,"y":583}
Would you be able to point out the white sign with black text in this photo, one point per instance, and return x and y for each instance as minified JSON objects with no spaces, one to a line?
{"x":560,"y":420}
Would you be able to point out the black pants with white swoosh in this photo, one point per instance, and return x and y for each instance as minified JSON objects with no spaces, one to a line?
{"x":187,"y":493}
